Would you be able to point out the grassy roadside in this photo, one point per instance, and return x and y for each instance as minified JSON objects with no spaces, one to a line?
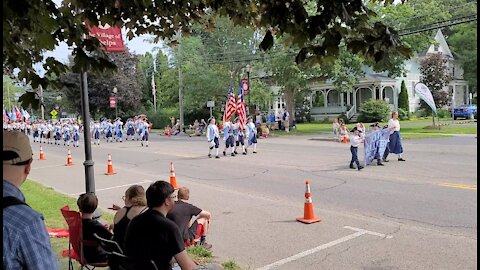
{"x":410,"y":129}
{"x":48,"y":202}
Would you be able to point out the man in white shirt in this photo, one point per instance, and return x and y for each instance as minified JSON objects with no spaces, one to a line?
{"x":355,"y":141}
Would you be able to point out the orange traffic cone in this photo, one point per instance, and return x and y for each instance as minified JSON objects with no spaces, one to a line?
{"x":110,"y":166}
{"x":308,"y":214}
{"x":173,"y":179}
{"x":69,"y":159}
{"x":42,"y":155}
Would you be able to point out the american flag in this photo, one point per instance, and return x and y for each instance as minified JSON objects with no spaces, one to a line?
{"x":230,"y":104}
{"x":242,"y":115}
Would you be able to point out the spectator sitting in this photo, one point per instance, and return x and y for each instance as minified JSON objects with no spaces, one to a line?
{"x":176,"y":128}
{"x":135,"y":204}
{"x":87,"y":203}
{"x":152,"y":236}
{"x":167,"y":131}
{"x":188,"y":217}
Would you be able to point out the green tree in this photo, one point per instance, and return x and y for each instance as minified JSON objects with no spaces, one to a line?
{"x":403,"y":98}
{"x":126,"y":79}
{"x":34,"y":27}
{"x":463,"y":42}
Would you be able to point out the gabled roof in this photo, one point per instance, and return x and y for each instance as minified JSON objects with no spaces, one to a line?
{"x":442,"y":46}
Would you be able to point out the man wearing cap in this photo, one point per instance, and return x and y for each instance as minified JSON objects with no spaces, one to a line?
{"x":26,"y":244}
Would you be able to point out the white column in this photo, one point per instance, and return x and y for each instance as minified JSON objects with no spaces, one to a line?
{"x":374,"y":92}
{"x":325,"y":99}
{"x":341,"y":99}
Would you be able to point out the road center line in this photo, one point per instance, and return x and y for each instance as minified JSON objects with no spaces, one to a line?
{"x":471,"y":187}
{"x":359,"y":232}
{"x":126,"y":185}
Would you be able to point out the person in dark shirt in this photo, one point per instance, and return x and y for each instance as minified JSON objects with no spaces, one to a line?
{"x":93,"y":253}
{"x":188,"y":217}
{"x":152,"y":236}
{"x":135,"y":203}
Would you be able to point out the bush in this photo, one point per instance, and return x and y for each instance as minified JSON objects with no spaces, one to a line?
{"x":420,"y":113}
{"x":403,"y":115}
{"x":374,"y":110}
{"x":443,"y":113}
{"x":344,"y":117}
{"x":161,"y":118}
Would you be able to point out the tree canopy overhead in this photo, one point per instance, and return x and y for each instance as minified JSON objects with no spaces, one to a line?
{"x":34,"y":27}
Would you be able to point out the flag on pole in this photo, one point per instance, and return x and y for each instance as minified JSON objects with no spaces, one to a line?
{"x":242,"y":114}
{"x":12,"y":116}
{"x":25,"y":114}
{"x":5,"y":114}
{"x":230,"y":104}
{"x":18,"y":114}
{"x":424,"y":93}
{"x":153,"y":84}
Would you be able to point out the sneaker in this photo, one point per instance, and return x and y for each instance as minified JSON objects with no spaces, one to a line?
{"x":352,"y":167}
{"x":401,"y":159}
{"x":206,"y":245}
{"x":209,"y":155}
{"x":224,"y":153}
{"x":360,"y":167}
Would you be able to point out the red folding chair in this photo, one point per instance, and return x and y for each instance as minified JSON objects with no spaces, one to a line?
{"x":75,"y":240}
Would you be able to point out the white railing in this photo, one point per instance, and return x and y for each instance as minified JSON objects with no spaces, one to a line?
{"x":351,"y":112}
{"x":328,"y":110}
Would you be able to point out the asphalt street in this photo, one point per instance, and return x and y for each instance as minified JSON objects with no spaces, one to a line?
{"x":418,"y":214}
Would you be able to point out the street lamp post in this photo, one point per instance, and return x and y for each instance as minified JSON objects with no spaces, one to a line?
{"x":115,"y":90}
{"x":248,"y":68}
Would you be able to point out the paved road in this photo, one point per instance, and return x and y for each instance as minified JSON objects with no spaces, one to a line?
{"x":418,"y":214}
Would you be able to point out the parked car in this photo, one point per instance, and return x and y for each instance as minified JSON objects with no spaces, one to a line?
{"x":467,"y":111}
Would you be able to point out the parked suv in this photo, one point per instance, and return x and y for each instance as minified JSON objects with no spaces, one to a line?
{"x":467,"y":111}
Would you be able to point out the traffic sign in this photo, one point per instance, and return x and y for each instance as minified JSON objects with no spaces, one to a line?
{"x":54,"y":113}
{"x":113,"y":102}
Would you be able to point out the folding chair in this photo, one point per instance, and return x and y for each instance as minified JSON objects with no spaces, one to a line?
{"x":110,"y":246}
{"x":75,"y":240}
{"x":127,"y":263}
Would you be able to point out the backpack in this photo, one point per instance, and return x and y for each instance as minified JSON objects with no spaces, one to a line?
{"x":10,"y":200}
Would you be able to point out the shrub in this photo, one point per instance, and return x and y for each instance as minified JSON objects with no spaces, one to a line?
{"x":374,"y":111}
{"x":403,"y":115}
{"x":161,"y":118}
{"x":443,"y":113}
{"x":420,"y":113}
{"x":344,"y":117}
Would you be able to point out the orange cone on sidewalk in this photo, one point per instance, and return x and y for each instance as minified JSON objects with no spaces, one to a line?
{"x":308,"y":213}
{"x":69,"y":159}
{"x":173,"y":179}
{"x":42,"y":155}
{"x":110,"y":166}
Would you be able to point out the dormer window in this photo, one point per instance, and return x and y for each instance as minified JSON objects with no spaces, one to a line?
{"x":435,"y":48}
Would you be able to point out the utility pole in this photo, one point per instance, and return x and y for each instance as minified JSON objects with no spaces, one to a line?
{"x":180,"y":82}
{"x":154,"y":92}
{"x":41,"y":102}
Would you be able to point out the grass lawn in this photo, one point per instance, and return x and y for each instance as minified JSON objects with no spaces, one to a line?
{"x":421,"y":128}
{"x":48,"y":202}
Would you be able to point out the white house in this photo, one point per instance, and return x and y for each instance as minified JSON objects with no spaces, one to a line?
{"x":379,"y":86}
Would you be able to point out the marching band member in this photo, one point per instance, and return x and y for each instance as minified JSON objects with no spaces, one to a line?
{"x":143,"y":126}
{"x":239,"y":135}
{"x":119,"y":128}
{"x":228,"y":137}
{"x":212,"y":137}
{"x":252,"y":135}
{"x":96,"y":133}
{"x":76,"y":134}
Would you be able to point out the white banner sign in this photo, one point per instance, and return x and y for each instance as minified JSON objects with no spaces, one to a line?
{"x":424,"y":93}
